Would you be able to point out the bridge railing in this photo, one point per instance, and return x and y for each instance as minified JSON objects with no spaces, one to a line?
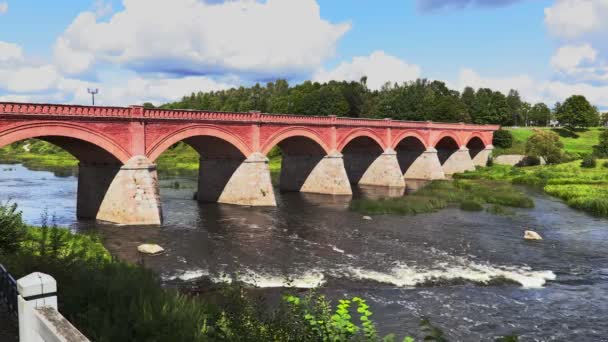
{"x":8,"y":291}
{"x":33,"y":301}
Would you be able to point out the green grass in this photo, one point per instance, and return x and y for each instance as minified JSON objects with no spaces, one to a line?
{"x":581,"y":188}
{"x":469,"y":195}
{"x":580,"y":141}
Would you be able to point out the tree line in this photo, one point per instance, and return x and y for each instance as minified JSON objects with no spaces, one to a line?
{"x":418,"y":100}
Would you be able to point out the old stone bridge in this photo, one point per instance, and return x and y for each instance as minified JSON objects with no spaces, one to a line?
{"x":117,"y":147}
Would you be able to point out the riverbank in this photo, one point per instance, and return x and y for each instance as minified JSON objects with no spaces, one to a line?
{"x":581,"y":188}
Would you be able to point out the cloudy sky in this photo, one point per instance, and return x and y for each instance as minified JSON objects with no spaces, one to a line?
{"x":158,"y":50}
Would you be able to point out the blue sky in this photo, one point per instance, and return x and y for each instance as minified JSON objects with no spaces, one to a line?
{"x":158,"y":50}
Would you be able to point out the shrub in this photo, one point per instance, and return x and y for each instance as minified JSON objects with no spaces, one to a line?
{"x":545,"y":144}
{"x":589,"y":162}
{"x":503,"y":139}
{"x":605,"y":164}
{"x":490,"y":162}
{"x":601,"y":150}
{"x":12,"y":228}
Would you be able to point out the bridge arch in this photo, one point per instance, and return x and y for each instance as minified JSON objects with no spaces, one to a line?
{"x":294,"y":132}
{"x":477,"y":135}
{"x":445,"y":136}
{"x":361,"y":149}
{"x":408,"y":134}
{"x":360,"y":133}
{"x":182,"y":134}
{"x":49,"y":130}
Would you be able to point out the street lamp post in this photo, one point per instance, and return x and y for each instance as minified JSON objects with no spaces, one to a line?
{"x":93,"y":91}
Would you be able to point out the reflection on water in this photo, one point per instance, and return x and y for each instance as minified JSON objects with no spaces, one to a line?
{"x":471,"y":273}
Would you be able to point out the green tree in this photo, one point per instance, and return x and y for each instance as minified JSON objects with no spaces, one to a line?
{"x":490,"y":107}
{"x":539,"y":115}
{"x":515,"y":105}
{"x":545,"y":144}
{"x":576,"y":111}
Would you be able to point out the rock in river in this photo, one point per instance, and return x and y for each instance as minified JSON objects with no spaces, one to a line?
{"x":149,"y":248}
{"x":532,"y":235}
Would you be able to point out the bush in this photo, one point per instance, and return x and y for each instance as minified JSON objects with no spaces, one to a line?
{"x":12,"y":228}
{"x":545,"y":144}
{"x":589,"y":162}
{"x":601,"y":150}
{"x":605,"y":164}
{"x":490,"y":162}
{"x":503,"y":139}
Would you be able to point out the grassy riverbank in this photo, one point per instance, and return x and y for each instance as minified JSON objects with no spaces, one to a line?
{"x":39,"y":155}
{"x":579,"y":141}
{"x":468,"y":195}
{"x":581,"y":188}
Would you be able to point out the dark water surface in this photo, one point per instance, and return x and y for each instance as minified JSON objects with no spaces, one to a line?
{"x":471,"y":273}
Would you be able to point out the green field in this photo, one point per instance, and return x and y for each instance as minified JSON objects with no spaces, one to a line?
{"x":581,"y":188}
{"x":580,"y":141}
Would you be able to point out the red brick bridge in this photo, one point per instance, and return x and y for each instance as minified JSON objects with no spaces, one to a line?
{"x":117,"y":147}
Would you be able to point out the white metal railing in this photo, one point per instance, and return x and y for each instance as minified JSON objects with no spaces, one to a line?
{"x":39,"y":319}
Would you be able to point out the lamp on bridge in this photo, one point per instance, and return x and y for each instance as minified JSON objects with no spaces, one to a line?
{"x":93,"y":92}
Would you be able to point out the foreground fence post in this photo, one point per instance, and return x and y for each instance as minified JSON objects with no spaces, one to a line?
{"x":39,"y":319}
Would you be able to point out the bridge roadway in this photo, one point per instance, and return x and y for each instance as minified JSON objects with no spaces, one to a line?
{"x":117,"y":146}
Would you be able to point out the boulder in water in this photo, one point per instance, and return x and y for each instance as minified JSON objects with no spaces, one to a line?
{"x":367,"y":218}
{"x":150,"y":248}
{"x":532,"y":235}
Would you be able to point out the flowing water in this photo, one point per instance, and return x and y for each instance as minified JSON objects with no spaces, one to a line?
{"x":472,"y":274}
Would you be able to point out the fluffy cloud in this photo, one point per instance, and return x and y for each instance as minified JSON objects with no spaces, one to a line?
{"x":570,"y":19}
{"x":189,"y":37}
{"x":378,"y":67}
{"x":569,"y":58}
{"x":430,"y":5}
{"x":534,"y":91}
{"x":3,"y":7}
{"x":25,"y":81}
{"x":10,"y":52}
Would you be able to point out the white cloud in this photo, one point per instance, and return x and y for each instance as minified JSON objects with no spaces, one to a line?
{"x":3,"y":7}
{"x":10,"y":52}
{"x":569,"y":57}
{"x":188,"y":37}
{"x":378,"y":67}
{"x":102,"y":8}
{"x":573,"y":18}
{"x":534,"y":91}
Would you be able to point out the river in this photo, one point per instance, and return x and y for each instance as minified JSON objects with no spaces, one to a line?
{"x":471,"y":273}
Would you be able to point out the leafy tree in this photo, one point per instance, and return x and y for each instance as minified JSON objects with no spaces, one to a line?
{"x":502,"y":138}
{"x":545,"y":144}
{"x":576,"y":111}
{"x":539,"y":115}
{"x":601,"y":150}
{"x":515,"y":107}
{"x":490,"y":107}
